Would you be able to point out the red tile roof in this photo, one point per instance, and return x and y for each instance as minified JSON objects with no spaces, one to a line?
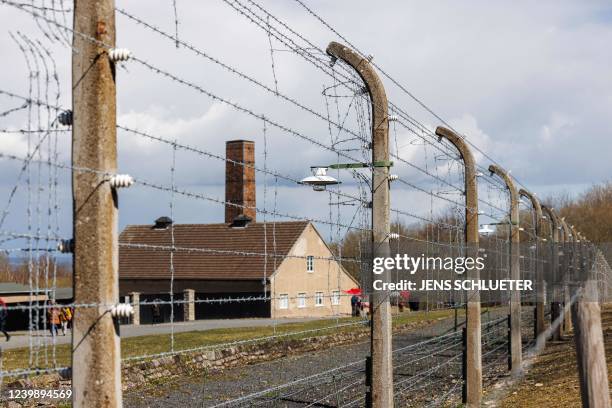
{"x":205,"y":251}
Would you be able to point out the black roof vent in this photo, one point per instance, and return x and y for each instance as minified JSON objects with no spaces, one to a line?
{"x":241,"y":221}
{"x":163,"y":223}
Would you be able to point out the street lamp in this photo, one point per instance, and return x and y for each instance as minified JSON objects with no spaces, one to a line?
{"x":485,"y":229}
{"x":319,"y":179}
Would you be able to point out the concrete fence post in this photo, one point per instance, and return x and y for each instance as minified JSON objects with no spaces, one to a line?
{"x":189,"y":305}
{"x":589,"y":339}
{"x":96,"y":352}
{"x":539,"y":270}
{"x":473,"y":333}
{"x":553,"y":271}
{"x":380,"y":306}
{"x":464,"y":373}
{"x":570,"y":257}
{"x":135,"y":300}
{"x":515,"y":270}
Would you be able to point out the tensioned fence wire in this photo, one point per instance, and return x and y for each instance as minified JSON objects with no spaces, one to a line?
{"x":427,"y":200}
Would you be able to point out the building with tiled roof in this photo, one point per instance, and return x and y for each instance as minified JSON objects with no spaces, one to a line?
{"x":276,"y":269}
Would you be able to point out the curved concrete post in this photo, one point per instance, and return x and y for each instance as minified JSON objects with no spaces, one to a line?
{"x":381,"y":348}
{"x":566,"y":230}
{"x":578,"y":258}
{"x":564,"y":239}
{"x":516,"y":357}
{"x":556,"y":293}
{"x":539,"y":272}
{"x":554,"y":221}
{"x":577,"y":252}
{"x":473,"y":345}
{"x":535,"y":203}
{"x":569,"y":253}
{"x":514,"y":197}
{"x":471,"y":185}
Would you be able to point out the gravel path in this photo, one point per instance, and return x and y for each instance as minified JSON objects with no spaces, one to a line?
{"x":238,"y":382}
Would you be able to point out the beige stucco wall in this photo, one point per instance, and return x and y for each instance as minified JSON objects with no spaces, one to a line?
{"x":292,"y":278}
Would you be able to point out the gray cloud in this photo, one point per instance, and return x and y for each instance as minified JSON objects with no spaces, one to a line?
{"x":527,"y":82}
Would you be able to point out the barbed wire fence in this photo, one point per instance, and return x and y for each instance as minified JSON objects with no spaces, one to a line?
{"x":427,"y":209}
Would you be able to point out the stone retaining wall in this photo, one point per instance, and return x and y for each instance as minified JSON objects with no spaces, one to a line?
{"x":138,"y":373}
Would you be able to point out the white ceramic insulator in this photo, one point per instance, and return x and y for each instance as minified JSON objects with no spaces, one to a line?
{"x":393,"y":235}
{"x":122,"y":310}
{"x":393,"y":177}
{"x":393,"y":118}
{"x":65,"y":118}
{"x":370,"y":57}
{"x":119,"y":54}
{"x":121,"y":181}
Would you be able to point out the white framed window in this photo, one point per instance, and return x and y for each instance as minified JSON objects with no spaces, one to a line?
{"x":283,"y":301}
{"x":310,"y":263}
{"x":336,"y":297}
{"x":301,"y":300}
{"x":319,"y":299}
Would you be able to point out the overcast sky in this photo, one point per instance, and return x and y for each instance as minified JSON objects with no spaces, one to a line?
{"x":528,"y":82}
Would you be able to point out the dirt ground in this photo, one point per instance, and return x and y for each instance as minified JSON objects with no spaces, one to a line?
{"x":553,"y":380}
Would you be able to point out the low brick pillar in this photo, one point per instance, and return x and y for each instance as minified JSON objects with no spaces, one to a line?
{"x":189,"y":305}
{"x":135,"y":296}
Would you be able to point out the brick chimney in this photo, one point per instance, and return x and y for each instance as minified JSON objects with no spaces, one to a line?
{"x":239,"y":179}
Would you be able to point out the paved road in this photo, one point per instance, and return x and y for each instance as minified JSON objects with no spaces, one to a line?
{"x":22,"y":339}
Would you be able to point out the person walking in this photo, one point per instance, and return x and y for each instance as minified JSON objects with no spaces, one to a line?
{"x":67,"y":313}
{"x":157,"y":312}
{"x":355,"y":305}
{"x":63,"y":321}
{"x":53,"y":315}
{"x":404,"y":297}
{"x":3,"y":317}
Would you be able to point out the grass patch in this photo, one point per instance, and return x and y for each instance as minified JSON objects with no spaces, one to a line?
{"x":420,"y":316}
